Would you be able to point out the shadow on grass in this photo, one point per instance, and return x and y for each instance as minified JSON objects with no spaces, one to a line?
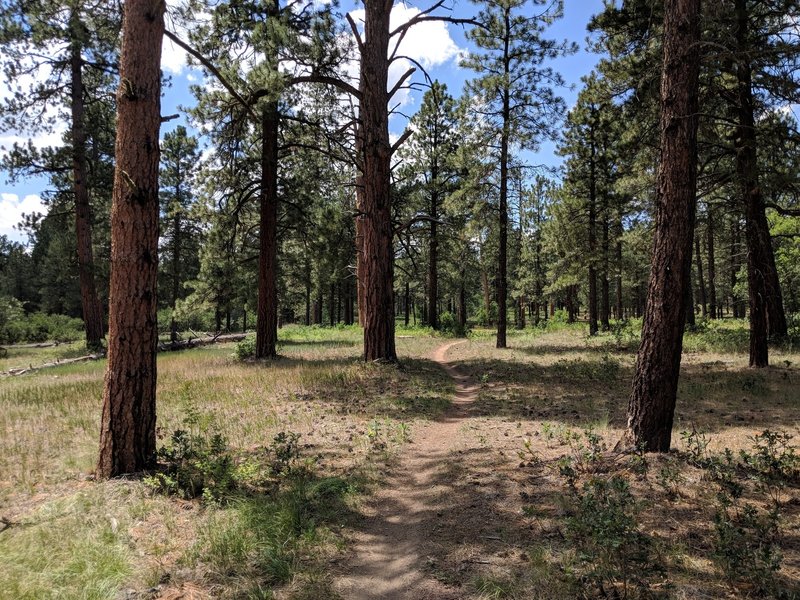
{"x":580,"y":392}
{"x":258,"y":542}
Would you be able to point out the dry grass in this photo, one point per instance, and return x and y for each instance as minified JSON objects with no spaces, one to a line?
{"x":502,"y":529}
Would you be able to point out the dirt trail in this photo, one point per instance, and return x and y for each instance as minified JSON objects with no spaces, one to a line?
{"x":390,"y":551}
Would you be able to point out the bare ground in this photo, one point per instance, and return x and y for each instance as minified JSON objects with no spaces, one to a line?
{"x":393,"y":551}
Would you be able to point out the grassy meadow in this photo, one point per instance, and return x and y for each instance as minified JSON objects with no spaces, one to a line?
{"x":539,"y":507}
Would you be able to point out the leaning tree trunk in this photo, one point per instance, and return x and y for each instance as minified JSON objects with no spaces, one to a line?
{"x":376,"y":227}
{"x":267,"y":319}
{"x":655,"y":384}
{"x":128,"y":423}
{"x":90,"y":303}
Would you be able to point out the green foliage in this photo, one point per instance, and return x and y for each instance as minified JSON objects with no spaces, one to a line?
{"x":17,"y":327}
{"x":603,"y":527}
{"x":448,"y":323}
{"x":246,"y":348}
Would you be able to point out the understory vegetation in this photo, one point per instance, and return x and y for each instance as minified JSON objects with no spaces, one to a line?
{"x":264,"y":466}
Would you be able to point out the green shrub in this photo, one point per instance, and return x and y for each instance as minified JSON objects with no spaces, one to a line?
{"x":448,"y":323}
{"x":604,"y":529}
{"x":246,"y":348}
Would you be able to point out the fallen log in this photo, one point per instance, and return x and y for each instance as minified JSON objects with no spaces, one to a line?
{"x":166,"y":347}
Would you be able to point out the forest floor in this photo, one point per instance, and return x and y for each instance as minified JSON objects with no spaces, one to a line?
{"x":468,"y":472}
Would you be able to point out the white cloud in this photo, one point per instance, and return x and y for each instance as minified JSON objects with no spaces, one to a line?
{"x":12,"y":209}
{"x":428,"y":43}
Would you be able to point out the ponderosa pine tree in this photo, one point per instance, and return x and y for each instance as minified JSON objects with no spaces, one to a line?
{"x":128,"y":423}
{"x":652,"y":404}
{"x":516,"y":93}
{"x":180,"y":243}
{"x":85,"y":35}
{"x":428,"y":153}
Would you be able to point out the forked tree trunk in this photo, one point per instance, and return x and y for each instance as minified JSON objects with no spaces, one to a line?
{"x":378,"y":250}
{"x":128,"y":422}
{"x":655,"y":384}
{"x":267,"y":319}
{"x":90,"y":303}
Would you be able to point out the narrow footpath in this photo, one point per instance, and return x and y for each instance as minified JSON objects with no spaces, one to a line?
{"x":390,"y":554}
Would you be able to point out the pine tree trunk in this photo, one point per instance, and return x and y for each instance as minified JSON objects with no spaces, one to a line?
{"x":433,"y":265}
{"x":736,"y":302}
{"x":605,"y":300}
{"x":378,"y":249}
{"x":701,"y":281}
{"x":128,"y":422}
{"x":652,"y":404}
{"x":487,"y":298}
{"x":713,"y":309}
{"x":90,"y":302}
{"x":502,"y":251}
{"x":766,"y":299}
{"x":462,"y":303}
{"x":593,"y":328}
{"x":267,"y":318}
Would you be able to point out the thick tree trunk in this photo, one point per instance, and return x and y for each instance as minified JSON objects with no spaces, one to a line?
{"x":378,"y":250}
{"x":267,"y":319}
{"x":700,"y":280}
{"x":712,"y":267}
{"x":128,"y":423}
{"x":655,"y":384}
{"x":90,"y":302}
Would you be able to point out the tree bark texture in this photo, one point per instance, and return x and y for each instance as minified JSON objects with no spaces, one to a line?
{"x":90,"y":302}
{"x":378,"y":250}
{"x":128,"y":423}
{"x":652,"y":404}
{"x":267,"y":317}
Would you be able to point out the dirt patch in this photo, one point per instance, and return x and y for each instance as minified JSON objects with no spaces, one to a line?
{"x":392,"y":551}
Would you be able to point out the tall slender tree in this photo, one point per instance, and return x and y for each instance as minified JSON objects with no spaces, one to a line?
{"x":652,"y":404}
{"x":84,"y":35}
{"x":516,"y":92}
{"x":128,"y":423}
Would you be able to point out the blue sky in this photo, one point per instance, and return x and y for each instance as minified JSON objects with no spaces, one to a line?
{"x":435,"y":45}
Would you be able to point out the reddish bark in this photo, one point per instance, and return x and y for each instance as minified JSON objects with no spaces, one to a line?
{"x":652,"y":403}
{"x":377,"y":263}
{"x":90,"y":302}
{"x":267,"y":319}
{"x":128,"y":432}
